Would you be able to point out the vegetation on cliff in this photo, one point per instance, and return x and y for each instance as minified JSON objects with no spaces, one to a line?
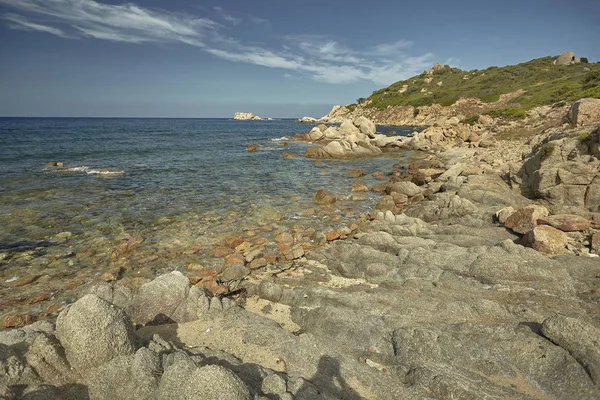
{"x":538,"y":82}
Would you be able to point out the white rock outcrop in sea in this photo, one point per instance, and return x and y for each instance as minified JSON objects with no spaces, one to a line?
{"x":356,"y":138}
{"x":326,"y":119}
{"x":245,"y":116}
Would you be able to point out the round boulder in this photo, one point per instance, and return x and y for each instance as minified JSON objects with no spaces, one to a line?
{"x":93,"y":332}
{"x":183,"y":380}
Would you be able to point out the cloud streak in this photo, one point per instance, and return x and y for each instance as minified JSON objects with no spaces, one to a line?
{"x":321,"y":58}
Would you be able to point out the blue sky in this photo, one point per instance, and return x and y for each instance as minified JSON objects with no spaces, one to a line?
{"x":176,"y":58}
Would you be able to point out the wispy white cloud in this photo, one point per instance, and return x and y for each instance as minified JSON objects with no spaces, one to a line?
{"x":228,"y":17}
{"x":18,"y":23}
{"x":392,"y":49}
{"x":321,"y":58}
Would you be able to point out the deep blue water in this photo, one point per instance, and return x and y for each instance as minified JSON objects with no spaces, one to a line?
{"x":173,"y":168}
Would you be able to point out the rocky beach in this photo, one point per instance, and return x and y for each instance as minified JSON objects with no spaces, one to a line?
{"x":473,"y":274}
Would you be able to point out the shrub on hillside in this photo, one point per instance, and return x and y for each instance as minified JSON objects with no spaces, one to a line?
{"x":472,"y":120}
{"x":508,"y":113}
{"x":591,"y":80}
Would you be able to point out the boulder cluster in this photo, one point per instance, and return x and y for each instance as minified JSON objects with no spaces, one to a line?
{"x":94,"y":352}
{"x":358,"y":138}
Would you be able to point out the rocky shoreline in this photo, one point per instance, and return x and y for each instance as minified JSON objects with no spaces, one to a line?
{"x":476,"y":276}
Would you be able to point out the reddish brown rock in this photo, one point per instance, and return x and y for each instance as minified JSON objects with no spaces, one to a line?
{"x":270,"y":258}
{"x":282,"y":247}
{"x":194,"y":279}
{"x":210,"y":283}
{"x":473,"y":137}
{"x":252,"y":148}
{"x":38,"y":299}
{"x":260,"y":242}
{"x":356,"y":173}
{"x":54,"y":309}
{"x":195,"y":267}
{"x":288,"y":156}
{"x":126,"y":248}
{"x":525,"y":219}
{"x":220,"y":252}
{"x":22,"y":281}
{"x":284,"y":237}
{"x":233,"y":259}
{"x":332,"y":235}
{"x":151,"y":258}
{"x":293,"y":253}
{"x":245,"y":245}
{"x":74,"y":284}
{"x":112,"y":275}
{"x":546,"y":240}
{"x":233,"y":241}
{"x":503,"y":214}
{"x":14,"y":320}
{"x":325,"y":198}
{"x":566,"y":222}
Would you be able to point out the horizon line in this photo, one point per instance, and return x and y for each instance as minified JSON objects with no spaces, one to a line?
{"x":133,"y":117}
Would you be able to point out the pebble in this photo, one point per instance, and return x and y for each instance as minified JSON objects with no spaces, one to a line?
{"x":15,"y":320}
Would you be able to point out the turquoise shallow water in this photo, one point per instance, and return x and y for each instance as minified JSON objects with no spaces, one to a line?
{"x":182,"y":178}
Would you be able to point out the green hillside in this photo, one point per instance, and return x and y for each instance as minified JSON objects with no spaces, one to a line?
{"x":543,"y":83}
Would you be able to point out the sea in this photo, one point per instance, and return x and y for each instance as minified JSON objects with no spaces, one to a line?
{"x":175,"y":184}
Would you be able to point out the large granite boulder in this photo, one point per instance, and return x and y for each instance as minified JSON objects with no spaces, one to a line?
{"x":564,"y":171}
{"x":566,"y":58}
{"x":343,"y":149}
{"x":93,"y":332}
{"x":351,"y":133}
{"x":47,"y":356}
{"x":366,"y":126}
{"x":584,"y":112}
{"x":406,"y":188}
{"x":169,"y":298}
{"x":184,"y":380}
{"x":126,"y":377}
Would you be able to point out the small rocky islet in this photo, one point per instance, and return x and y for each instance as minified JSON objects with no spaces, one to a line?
{"x":476,"y":275}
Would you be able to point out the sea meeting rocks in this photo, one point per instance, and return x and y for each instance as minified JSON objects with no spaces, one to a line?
{"x":436,"y":299}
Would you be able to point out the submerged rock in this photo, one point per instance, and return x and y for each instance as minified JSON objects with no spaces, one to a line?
{"x":325,"y":198}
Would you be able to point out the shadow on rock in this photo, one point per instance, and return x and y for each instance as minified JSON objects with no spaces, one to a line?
{"x":330,"y":382}
{"x":65,"y":392}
